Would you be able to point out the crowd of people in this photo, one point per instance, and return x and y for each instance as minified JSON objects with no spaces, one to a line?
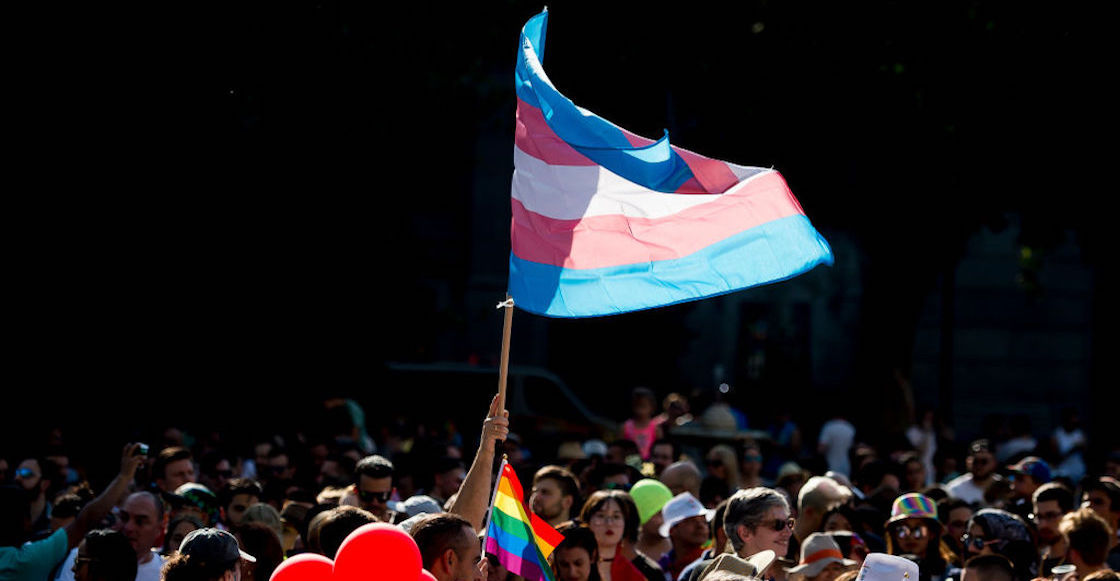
{"x":658,"y":501}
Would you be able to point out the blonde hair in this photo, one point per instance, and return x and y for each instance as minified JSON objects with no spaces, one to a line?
{"x":726,"y":454}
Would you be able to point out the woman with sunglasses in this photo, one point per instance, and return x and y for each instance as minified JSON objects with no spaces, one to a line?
{"x":612,"y":517}
{"x":913,"y":529}
{"x":723,"y":464}
{"x":994,"y":531}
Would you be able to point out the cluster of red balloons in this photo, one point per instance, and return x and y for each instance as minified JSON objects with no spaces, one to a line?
{"x":373,"y":551}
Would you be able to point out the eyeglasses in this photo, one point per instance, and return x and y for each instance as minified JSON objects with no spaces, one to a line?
{"x":617,"y":486}
{"x":599,"y":518}
{"x":80,"y":560}
{"x":368,"y":496}
{"x":752,"y":458}
{"x":976,"y":543}
{"x":779,"y":524}
{"x":25,"y":473}
{"x":715,"y":462}
{"x":1046,"y":516}
{"x":904,"y":531}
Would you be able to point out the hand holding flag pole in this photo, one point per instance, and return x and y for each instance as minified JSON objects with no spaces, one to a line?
{"x":474,"y":494}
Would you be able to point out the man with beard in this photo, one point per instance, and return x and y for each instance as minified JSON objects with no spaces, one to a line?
{"x":555,"y":491}
{"x":20,"y":560}
{"x":686,"y":526}
{"x":981,"y":465}
{"x":32,"y":476}
{"x":1051,"y":502}
{"x":1026,"y":476}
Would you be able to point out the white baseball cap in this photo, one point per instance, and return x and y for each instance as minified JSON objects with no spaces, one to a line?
{"x":680,"y":507}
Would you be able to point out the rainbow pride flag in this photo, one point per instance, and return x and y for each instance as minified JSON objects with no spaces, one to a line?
{"x":607,"y":222}
{"x":521,"y":540}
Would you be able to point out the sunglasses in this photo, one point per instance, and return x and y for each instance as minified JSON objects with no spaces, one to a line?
{"x":715,"y":462}
{"x":617,"y":486}
{"x":369,"y":496}
{"x":753,"y":458}
{"x":779,"y":524}
{"x":976,"y":543}
{"x":917,"y":532}
{"x":25,"y":473}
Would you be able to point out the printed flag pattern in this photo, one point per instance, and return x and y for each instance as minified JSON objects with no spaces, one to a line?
{"x":520,"y":539}
{"x":607,"y":222}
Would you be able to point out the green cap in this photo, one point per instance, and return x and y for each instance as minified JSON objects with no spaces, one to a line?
{"x":650,"y":495}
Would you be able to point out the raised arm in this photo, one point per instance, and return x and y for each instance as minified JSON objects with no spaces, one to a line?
{"x":474,"y":494}
{"x":97,"y":508}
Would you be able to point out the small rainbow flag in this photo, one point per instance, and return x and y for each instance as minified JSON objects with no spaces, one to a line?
{"x":521,"y":540}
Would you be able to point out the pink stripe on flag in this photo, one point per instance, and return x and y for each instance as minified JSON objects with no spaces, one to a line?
{"x":612,"y":240}
{"x":536,"y":138}
{"x":527,"y":569}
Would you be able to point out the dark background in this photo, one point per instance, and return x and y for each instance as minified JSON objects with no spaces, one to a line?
{"x":217,"y":210}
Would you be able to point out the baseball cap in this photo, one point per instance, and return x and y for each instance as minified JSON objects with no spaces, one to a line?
{"x":199,"y":496}
{"x":595,"y":447}
{"x":416,"y":504}
{"x":650,"y":495}
{"x":1033,"y":466}
{"x":817,"y":552}
{"x":211,"y":545}
{"x":680,"y":507}
{"x":884,"y":567}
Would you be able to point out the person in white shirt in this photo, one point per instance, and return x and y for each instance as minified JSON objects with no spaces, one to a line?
{"x":981,"y":466}
{"x":835,"y":442}
{"x":142,"y":520}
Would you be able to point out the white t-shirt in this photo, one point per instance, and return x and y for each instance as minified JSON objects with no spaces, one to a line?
{"x":150,"y":571}
{"x":925,"y":442}
{"x":1073,"y":466}
{"x":964,"y":488}
{"x":836,"y":440}
{"x":144,"y":571}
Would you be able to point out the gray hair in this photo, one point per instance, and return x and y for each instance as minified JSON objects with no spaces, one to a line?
{"x":749,"y":507}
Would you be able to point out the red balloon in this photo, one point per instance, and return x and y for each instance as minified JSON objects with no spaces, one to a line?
{"x":304,"y":567}
{"x":377,"y":551}
{"x":425,"y":575}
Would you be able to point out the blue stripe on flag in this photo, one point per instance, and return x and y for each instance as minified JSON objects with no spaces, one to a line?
{"x":655,"y":166}
{"x":771,"y":252}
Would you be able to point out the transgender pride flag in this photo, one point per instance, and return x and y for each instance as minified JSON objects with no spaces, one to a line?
{"x":607,"y":222}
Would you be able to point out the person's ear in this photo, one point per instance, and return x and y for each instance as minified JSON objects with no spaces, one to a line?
{"x":449,"y":559}
{"x":567,"y":502}
{"x":743,"y":532}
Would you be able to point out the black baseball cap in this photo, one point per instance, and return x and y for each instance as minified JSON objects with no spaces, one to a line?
{"x":211,"y":545}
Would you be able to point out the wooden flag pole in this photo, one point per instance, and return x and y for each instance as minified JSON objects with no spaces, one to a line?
{"x":503,"y":370}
